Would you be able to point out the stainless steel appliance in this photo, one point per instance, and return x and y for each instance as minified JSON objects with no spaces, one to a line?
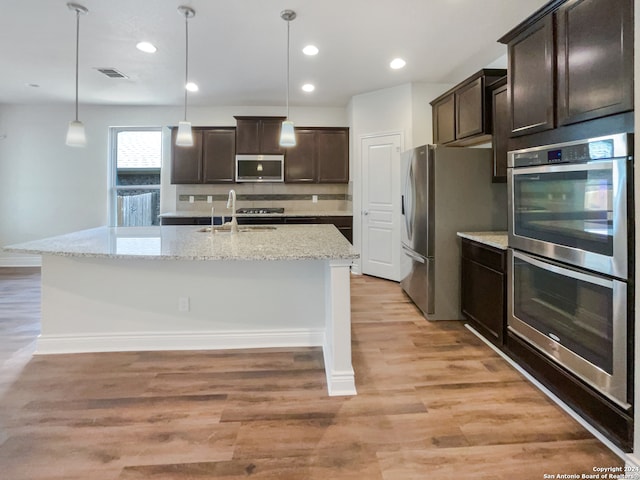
{"x":569,"y":202}
{"x":570,"y":245}
{"x":259,"y":168}
{"x":444,"y":190}
{"x":577,"y":318}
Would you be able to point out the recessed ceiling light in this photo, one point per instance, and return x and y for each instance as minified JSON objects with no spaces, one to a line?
{"x":307,"y":87}
{"x":310,"y":50}
{"x":146,"y":47}
{"x":397,"y":63}
{"x":192,"y":87}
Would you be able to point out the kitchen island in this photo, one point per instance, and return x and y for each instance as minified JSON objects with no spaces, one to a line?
{"x":179,"y":288}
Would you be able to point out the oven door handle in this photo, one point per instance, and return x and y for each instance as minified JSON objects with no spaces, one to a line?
{"x":567,"y":272}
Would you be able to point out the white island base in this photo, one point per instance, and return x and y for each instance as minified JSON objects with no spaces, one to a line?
{"x":93,"y":304}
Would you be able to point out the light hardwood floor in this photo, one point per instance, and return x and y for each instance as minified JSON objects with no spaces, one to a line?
{"x":433,"y":403}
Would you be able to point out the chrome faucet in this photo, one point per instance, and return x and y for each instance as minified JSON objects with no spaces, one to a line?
{"x":231,"y":203}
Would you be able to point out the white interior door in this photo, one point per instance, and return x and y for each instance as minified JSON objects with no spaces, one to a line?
{"x":381,"y":206}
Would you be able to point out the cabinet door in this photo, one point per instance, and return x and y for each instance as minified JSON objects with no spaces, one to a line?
{"x":332,"y":155}
{"x":300,"y":161}
{"x":270,"y":136}
{"x":444,"y":120}
{"x":482,"y":297}
{"x":218,"y":155}
{"x":186,"y":162}
{"x":248,"y":136}
{"x":469,"y":109}
{"x":531,"y":79}
{"x":501,"y":131}
{"x":595,"y":59}
{"x":483,"y":288}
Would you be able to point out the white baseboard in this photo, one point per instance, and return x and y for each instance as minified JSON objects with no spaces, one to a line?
{"x":57,"y":344}
{"x":20,"y":261}
{"x":339,"y":383}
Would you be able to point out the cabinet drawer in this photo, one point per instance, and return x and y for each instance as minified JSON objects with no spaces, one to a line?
{"x":485,"y":255}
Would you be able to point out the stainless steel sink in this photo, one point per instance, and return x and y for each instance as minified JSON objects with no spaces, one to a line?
{"x":243,"y":228}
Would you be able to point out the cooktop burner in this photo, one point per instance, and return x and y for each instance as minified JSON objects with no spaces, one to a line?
{"x":259,"y":210}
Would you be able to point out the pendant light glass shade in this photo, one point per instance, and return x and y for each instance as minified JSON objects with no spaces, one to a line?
{"x":287,"y":134}
{"x":75,"y":134}
{"x":184,"y":138}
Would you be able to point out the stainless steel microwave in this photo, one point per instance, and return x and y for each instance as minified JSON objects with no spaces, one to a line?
{"x":259,"y":168}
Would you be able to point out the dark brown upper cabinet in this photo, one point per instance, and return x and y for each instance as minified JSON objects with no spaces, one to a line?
{"x":462,"y":115}
{"x":258,"y":135}
{"x":218,"y":155}
{"x":321,"y":155}
{"x":501,"y":129}
{"x":469,"y":109}
{"x":595,"y":59}
{"x":186,"y":162}
{"x":300,"y":161}
{"x":444,"y":115}
{"x":530,"y":79}
{"x":211,"y":159}
{"x":570,"y":62}
{"x":333,"y":155}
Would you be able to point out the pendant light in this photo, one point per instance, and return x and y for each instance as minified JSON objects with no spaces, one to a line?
{"x":75,"y":133}
{"x":287,"y":132}
{"x":184,"y":138}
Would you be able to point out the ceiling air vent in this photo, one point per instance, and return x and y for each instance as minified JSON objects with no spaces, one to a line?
{"x":111,"y":72}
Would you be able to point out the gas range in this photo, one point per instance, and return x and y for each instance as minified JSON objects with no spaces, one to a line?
{"x":259,"y":210}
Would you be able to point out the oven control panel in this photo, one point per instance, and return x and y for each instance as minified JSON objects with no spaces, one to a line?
{"x":572,"y":152}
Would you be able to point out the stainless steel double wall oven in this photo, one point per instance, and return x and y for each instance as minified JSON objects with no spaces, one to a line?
{"x":571,"y":242}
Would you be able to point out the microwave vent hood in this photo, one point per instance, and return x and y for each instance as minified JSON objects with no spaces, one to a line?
{"x":259,"y":168}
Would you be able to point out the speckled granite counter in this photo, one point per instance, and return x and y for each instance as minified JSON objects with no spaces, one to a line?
{"x":288,"y":213}
{"x":176,"y":288}
{"x":284,"y":242}
{"x":493,"y":239}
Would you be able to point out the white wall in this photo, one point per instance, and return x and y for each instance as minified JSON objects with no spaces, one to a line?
{"x":47,"y":188}
{"x":403,"y":109}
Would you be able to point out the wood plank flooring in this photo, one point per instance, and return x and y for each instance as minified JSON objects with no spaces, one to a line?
{"x":433,"y":402}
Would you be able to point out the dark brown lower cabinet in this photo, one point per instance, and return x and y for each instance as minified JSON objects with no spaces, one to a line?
{"x":483,"y":289}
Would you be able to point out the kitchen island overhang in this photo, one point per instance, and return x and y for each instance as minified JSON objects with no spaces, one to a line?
{"x":177,"y":288}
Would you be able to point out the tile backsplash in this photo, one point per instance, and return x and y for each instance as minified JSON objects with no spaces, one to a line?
{"x":331,"y":197}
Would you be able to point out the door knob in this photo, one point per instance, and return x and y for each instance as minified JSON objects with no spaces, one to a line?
{"x":365,"y":212}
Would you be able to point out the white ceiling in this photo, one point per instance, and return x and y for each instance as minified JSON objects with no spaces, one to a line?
{"x":238,"y":48}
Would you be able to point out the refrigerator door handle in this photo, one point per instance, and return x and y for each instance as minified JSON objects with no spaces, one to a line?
{"x":409,"y":193}
{"x":402,"y":204}
{"x":412,"y":255}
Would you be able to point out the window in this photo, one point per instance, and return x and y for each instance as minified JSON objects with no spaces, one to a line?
{"x":136,"y":159}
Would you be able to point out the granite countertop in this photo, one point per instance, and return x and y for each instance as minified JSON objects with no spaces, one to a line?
{"x":285,"y":242}
{"x":493,"y":239}
{"x":287,"y":213}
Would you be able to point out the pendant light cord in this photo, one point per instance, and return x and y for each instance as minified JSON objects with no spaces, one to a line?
{"x":288,"y":37}
{"x":186,"y":61}
{"x":77,"y":56}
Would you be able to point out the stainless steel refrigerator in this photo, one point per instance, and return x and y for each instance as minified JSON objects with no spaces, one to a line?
{"x":444,"y":191}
